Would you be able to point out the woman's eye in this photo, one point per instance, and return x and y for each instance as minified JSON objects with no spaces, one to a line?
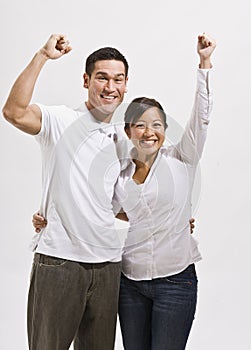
{"x":139,"y":126}
{"x":157,"y":125}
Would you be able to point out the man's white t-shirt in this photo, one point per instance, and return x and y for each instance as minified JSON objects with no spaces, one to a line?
{"x":80,"y":168}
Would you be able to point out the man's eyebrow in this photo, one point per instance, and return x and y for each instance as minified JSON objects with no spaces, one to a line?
{"x":106,"y":74}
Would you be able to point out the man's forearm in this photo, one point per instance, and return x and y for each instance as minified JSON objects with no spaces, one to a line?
{"x":22,"y":90}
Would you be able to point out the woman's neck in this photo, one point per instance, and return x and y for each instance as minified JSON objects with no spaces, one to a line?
{"x":144,"y":161}
{"x":143,"y":165}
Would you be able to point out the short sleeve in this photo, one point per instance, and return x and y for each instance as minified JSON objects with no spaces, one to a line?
{"x":43,"y":135}
{"x":55,"y":120}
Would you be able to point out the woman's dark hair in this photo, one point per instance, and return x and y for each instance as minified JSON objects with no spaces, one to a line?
{"x":103,"y":54}
{"x":138,"y":106}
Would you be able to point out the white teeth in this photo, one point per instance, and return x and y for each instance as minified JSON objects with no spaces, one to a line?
{"x":148,"y":142}
{"x":108,"y":97}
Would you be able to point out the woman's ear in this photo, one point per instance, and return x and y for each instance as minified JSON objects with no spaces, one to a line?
{"x":128,"y":132}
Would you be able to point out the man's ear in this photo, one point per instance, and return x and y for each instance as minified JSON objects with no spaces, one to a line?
{"x":86,"y":80}
{"x":126,"y":88}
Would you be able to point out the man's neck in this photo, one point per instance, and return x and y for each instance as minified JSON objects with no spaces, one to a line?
{"x":98,"y":115}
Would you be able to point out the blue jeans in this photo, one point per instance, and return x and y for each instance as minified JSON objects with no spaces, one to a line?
{"x":158,"y":314}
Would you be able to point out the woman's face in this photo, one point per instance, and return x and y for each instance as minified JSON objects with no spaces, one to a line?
{"x":148,"y":132}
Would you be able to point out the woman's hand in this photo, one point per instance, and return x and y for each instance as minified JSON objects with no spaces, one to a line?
{"x":39,"y":222}
{"x":205,"y":48}
{"x":191,"y":222}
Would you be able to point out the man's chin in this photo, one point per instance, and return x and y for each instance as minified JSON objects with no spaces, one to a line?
{"x":108,"y":110}
{"x":104,"y":113}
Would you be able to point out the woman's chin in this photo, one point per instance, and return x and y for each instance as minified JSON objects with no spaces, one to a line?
{"x":147,"y":151}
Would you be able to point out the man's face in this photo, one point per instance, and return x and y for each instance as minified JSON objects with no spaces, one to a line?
{"x":106,"y":87}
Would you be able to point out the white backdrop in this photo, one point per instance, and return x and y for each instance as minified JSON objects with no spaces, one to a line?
{"x":158,"y":38}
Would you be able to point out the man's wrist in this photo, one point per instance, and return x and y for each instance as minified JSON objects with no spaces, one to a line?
{"x":42,"y":55}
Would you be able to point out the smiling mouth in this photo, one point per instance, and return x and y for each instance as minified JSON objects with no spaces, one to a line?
{"x":108,"y":98}
{"x":147,"y":143}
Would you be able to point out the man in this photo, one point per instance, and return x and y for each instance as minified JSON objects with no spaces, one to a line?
{"x":76,"y":271}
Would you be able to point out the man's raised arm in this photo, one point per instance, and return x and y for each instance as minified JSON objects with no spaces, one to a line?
{"x":17,"y":109}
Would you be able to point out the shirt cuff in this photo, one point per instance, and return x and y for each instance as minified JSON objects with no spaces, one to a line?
{"x":203,"y":80}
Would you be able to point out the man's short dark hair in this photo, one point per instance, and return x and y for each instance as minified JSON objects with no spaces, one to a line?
{"x":105,"y":53}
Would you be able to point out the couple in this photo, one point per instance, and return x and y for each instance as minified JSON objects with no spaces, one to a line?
{"x":87,"y":175}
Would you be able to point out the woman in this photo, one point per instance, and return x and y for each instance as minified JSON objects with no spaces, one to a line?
{"x":158,"y":290}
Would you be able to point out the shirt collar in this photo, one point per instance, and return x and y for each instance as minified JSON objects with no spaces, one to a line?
{"x":91,"y":123}
{"x":133,"y":154}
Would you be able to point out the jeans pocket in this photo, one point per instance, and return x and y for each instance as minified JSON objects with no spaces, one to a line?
{"x":179,"y":281}
{"x":51,"y":261}
{"x":187,"y":277}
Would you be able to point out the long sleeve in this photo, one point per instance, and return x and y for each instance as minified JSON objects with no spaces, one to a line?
{"x":191,"y":145}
